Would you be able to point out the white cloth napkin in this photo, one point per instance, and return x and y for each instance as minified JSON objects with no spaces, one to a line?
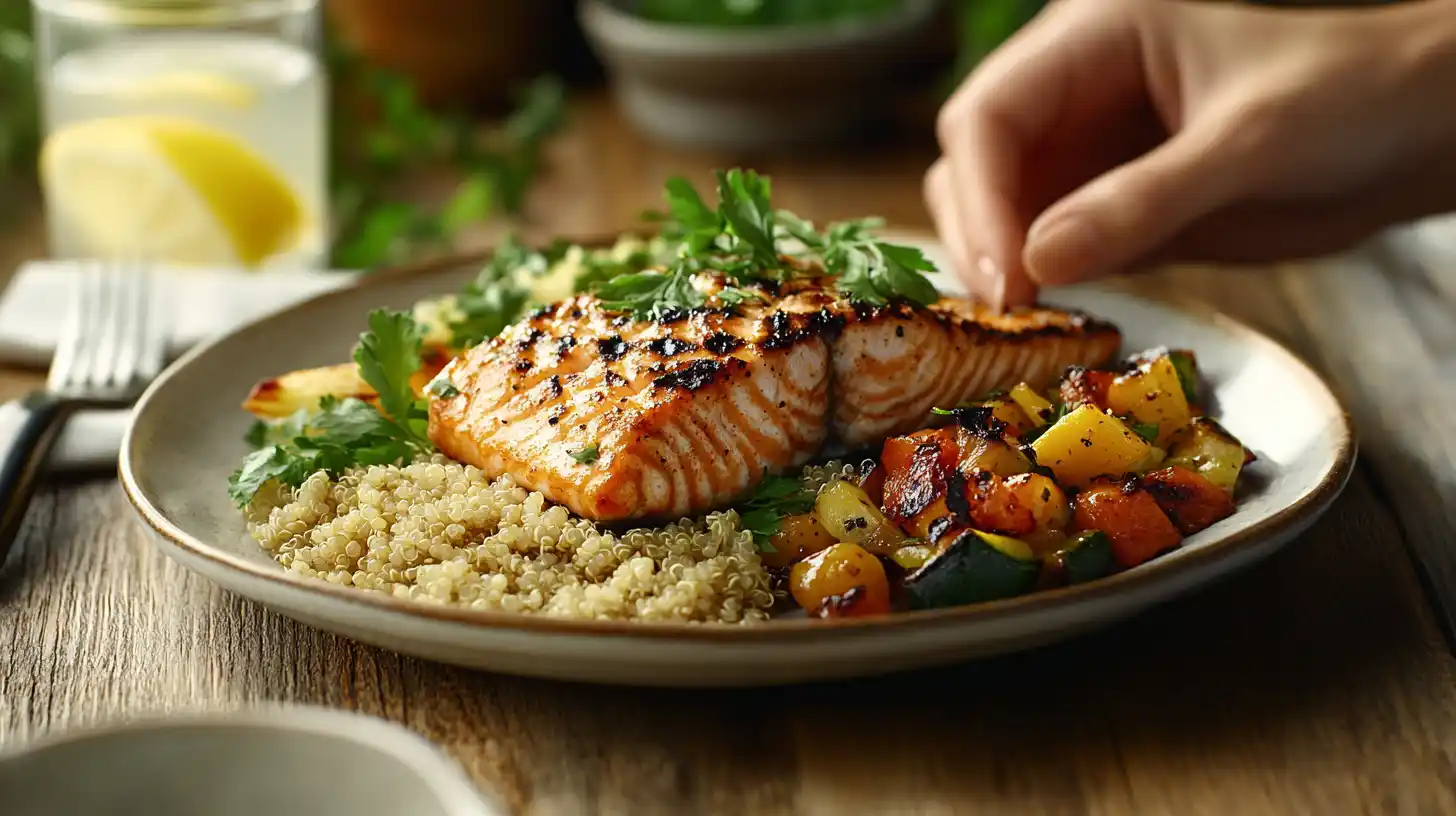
{"x":201,"y":304}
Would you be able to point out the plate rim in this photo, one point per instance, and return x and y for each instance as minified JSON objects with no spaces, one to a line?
{"x":1146,"y":577}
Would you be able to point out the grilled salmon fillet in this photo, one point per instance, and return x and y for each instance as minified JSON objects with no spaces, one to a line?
{"x":620,"y":419}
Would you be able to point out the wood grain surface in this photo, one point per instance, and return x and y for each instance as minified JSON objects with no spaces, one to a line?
{"x":1316,"y":682}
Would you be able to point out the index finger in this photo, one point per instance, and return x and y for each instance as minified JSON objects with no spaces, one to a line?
{"x":1077,"y":58}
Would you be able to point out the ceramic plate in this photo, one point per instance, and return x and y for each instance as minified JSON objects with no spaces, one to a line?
{"x":186,"y":437}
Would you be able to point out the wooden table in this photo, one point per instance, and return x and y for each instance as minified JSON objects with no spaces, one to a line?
{"x":1316,"y":682}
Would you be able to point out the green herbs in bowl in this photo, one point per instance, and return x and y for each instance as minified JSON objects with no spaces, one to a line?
{"x":758,"y":74}
{"x":760,"y":12}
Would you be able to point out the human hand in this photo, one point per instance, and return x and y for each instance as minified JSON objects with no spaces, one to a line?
{"x":1109,"y":134}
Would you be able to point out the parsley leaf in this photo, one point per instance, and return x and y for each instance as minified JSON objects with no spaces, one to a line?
{"x":1187,"y":369}
{"x":1147,"y":430}
{"x":744,"y":204}
{"x":442,"y":387}
{"x":696,"y":225}
{"x":587,"y":455}
{"x":349,"y":432}
{"x":652,"y":295}
{"x":495,"y":298}
{"x":776,"y":497}
{"x":388,"y":355}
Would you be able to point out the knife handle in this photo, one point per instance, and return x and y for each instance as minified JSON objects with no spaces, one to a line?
{"x":29,"y":428}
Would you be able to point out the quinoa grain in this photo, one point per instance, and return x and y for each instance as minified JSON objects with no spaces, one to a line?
{"x":440,"y":532}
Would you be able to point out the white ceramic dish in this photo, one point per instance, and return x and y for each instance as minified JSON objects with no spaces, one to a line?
{"x":277,"y":761}
{"x":187,"y":436}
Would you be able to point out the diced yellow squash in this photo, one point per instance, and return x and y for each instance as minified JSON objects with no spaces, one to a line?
{"x":993,"y":455}
{"x":278,"y":397}
{"x":1010,"y":413}
{"x":1152,"y":395}
{"x":1207,"y":450}
{"x":1036,"y":407}
{"x":1088,"y":443}
{"x":849,"y":515}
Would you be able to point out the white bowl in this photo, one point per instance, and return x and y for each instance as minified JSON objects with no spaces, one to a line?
{"x":290,"y":761}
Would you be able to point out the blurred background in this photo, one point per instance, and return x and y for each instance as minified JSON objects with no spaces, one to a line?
{"x":358,"y":133}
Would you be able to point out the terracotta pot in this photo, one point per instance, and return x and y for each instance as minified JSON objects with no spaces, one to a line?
{"x":458,"y":51}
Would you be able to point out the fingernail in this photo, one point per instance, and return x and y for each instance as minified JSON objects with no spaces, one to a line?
{"x":1062,"y":250}
{"x":991,"y":285}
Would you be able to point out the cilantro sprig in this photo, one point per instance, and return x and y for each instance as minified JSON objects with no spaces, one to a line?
{"x":349,"y":432}
{"x":775,"y":498}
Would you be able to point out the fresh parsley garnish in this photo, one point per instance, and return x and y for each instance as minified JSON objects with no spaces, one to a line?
{"x":496,"y":297}
{"x":587,"y":455}
{"x":1187,"y":373}
{"x":347,"y":433}
{"x":746,"y":241}
{"x":442,"y":387}
{"x":1147,"y":430}
{"x":776,"y":497}
{"x":1058,"y":411}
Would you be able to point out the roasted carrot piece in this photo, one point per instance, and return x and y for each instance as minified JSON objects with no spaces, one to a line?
{"x":1131,"y":518}
{"x":1190,"y":501}
{"x":1085,"y":386}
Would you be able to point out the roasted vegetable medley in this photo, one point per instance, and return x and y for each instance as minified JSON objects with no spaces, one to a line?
{"x":1020,"y":492}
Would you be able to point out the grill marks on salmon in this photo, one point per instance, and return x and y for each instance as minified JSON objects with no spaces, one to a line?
{"x":689,"y":413}
{"x":683,"y":415}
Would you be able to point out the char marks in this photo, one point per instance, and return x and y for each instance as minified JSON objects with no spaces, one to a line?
{"x":689,"y":411}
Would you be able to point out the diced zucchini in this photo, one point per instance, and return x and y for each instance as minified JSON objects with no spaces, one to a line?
{"x":1153,"y":395}
{"x":1088,"y":443}
{"x":849,"y":515}
{"x":1087,"y":557}
{"x":1208,"y":450}
{"x":1036,"y":407}
{"x":975,"y":567}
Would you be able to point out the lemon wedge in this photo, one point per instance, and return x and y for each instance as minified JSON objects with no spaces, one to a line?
{"x":181,"y":86}
{"x":168,"y":189}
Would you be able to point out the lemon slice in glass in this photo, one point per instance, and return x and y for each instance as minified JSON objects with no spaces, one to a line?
{"x":183,"y":86}
{"x":170,"y":190}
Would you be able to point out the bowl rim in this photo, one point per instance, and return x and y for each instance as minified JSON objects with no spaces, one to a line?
{"x":1145,"y":577}
{"x":617,"y":29}
{"x":438,"y":771}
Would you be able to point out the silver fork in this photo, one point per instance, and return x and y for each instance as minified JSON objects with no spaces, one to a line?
{"x":111,"y":346}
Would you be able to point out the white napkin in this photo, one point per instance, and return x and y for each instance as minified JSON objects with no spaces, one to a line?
{"x":202,"y":303}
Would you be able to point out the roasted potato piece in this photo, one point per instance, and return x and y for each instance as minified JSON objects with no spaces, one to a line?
{"x":843,"y":581}
{"x":798,"y":537}
{"x":1205,"y":448}
{"x":283,"y":396}
{"x":1088,"y":443}
{"x":1153,"y":395}
{"x":1190,"y":501}
{"x":1083,"y":386}
{"x":849,"y":515}
{"x":1130,"y":517}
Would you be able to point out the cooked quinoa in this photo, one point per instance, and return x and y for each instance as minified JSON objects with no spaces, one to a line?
{"x":441,"y":532}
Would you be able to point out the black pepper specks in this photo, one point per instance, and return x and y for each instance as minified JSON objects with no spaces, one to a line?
{"x":612,"y":348}
{"x":691,"y":377}
{"x":670,"y":346}
{"x":722,"y":343}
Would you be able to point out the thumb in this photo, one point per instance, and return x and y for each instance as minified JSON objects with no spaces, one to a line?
{"x":1121,"y":216}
